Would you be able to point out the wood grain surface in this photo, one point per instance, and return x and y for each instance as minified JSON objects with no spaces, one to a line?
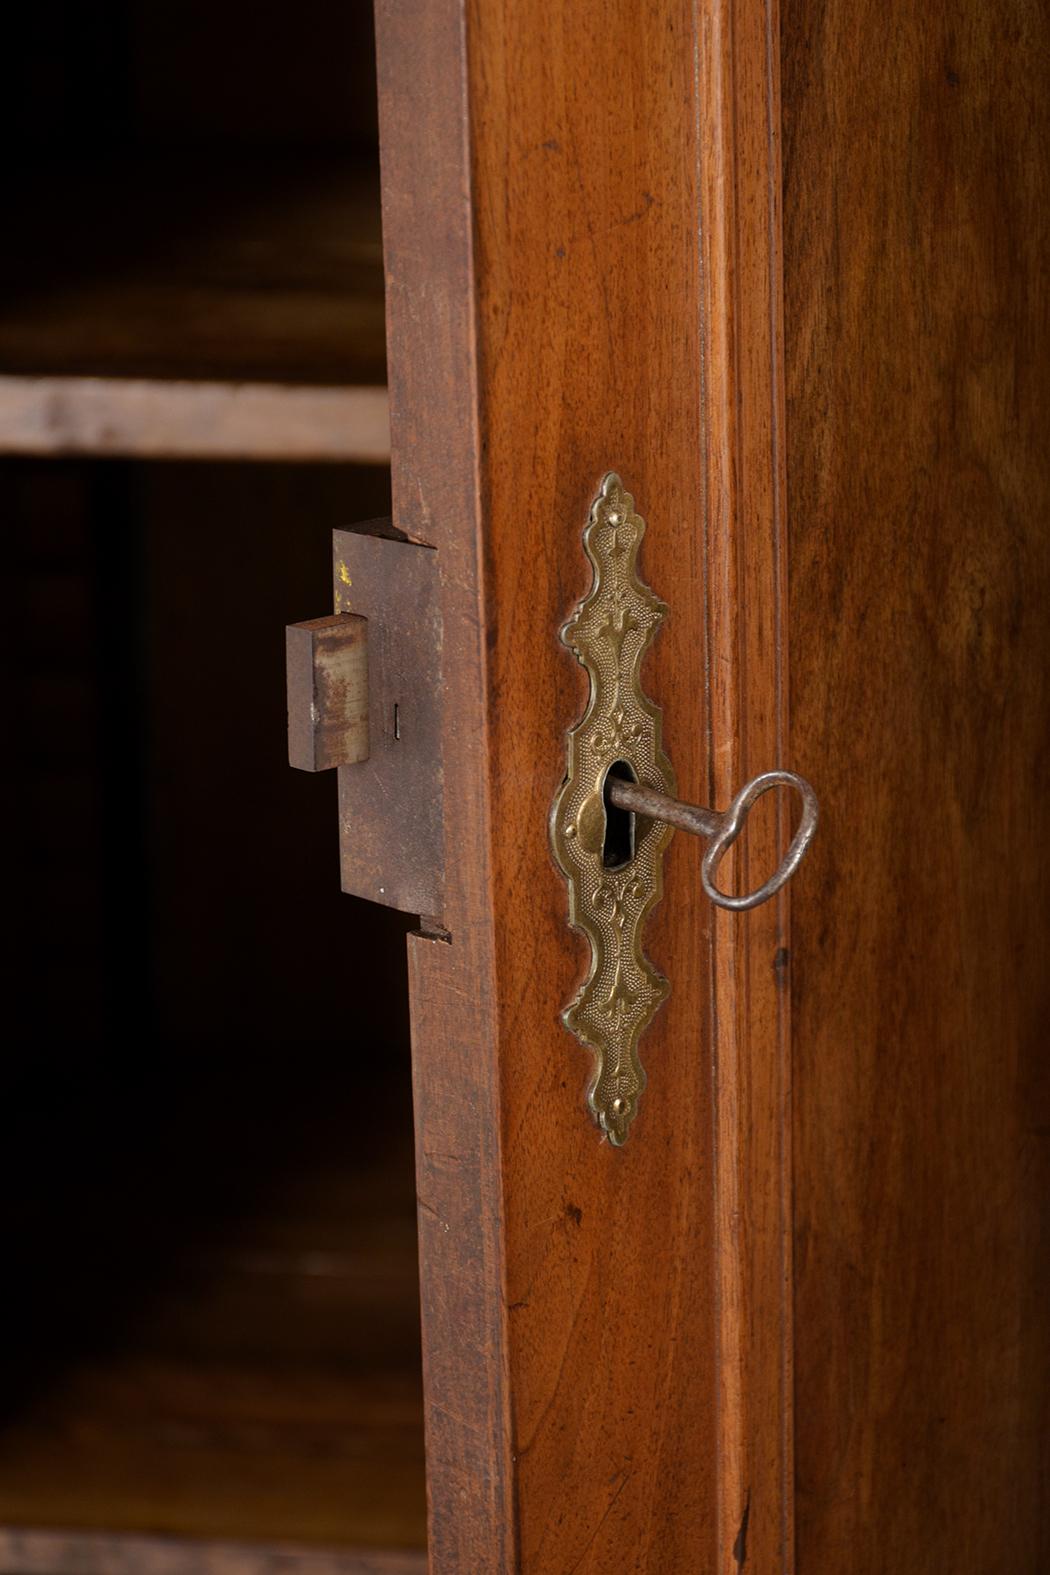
{"x":164,"y":418}
{"x":604,"y":1330}
{"x":917,"y":182}
{"x":746,"y":671}
{"x":96,"y":1553}
{"x":432,"y":378}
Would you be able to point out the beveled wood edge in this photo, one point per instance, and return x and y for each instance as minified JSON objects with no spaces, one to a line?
{"x":145,"y":418}
{"x":42,"y":1552}
{"x":428,"y":240}
{"x":746,"y":663}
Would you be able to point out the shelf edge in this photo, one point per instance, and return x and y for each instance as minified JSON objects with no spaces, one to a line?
{"x":133,"y":418}
{"x":38,"y":1552}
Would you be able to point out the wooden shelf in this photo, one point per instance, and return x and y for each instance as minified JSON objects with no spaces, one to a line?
{"x":264,"y":1386}
{"x":135,"y":418}
{"x":96,"y":1553}
{"x":322,"y":1457}
{"x":212,"y":309}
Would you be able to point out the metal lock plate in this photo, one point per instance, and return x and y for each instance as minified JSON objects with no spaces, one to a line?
{"x":390,"y":805}
{"x":610,"y":634}
{"x":619,"y":778}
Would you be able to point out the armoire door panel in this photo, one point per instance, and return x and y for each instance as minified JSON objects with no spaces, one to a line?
{"x":917,"y":195}
{"x":826,"y":1221}
{"x":580,"y":225}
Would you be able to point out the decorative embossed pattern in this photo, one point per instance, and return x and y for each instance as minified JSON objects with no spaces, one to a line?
{"x":610,"y":633}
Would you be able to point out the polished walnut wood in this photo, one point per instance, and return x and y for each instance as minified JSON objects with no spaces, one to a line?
{"x":745,"y":580}
{"x":917,"y":195}
{"x":604,"y":1330}
{"x":581,"y":326}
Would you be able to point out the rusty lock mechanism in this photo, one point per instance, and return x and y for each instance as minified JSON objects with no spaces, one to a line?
{"x":364,"y":698}
{"x":614,"y":815}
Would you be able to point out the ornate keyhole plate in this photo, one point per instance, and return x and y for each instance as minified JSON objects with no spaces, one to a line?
{"x":610,"y":633}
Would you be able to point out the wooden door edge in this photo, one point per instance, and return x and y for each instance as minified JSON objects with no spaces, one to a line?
{"x":435,"y":458}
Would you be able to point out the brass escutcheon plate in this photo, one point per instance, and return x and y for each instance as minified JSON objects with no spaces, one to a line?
{"x":610,"y":633}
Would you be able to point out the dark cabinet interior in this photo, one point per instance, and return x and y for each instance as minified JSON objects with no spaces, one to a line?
{"x":208,"y":1209}
{"x":192,"y":211}
{"x":211,"y":1324}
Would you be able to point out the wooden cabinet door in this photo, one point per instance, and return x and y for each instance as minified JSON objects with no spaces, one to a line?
{"x":797,"y":1319}
{"x":917,"y":358}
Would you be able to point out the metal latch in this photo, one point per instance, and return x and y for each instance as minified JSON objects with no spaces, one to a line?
{"x":364,"y":697}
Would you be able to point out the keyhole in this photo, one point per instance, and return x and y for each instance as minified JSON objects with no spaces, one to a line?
{"x":618,"y":847}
